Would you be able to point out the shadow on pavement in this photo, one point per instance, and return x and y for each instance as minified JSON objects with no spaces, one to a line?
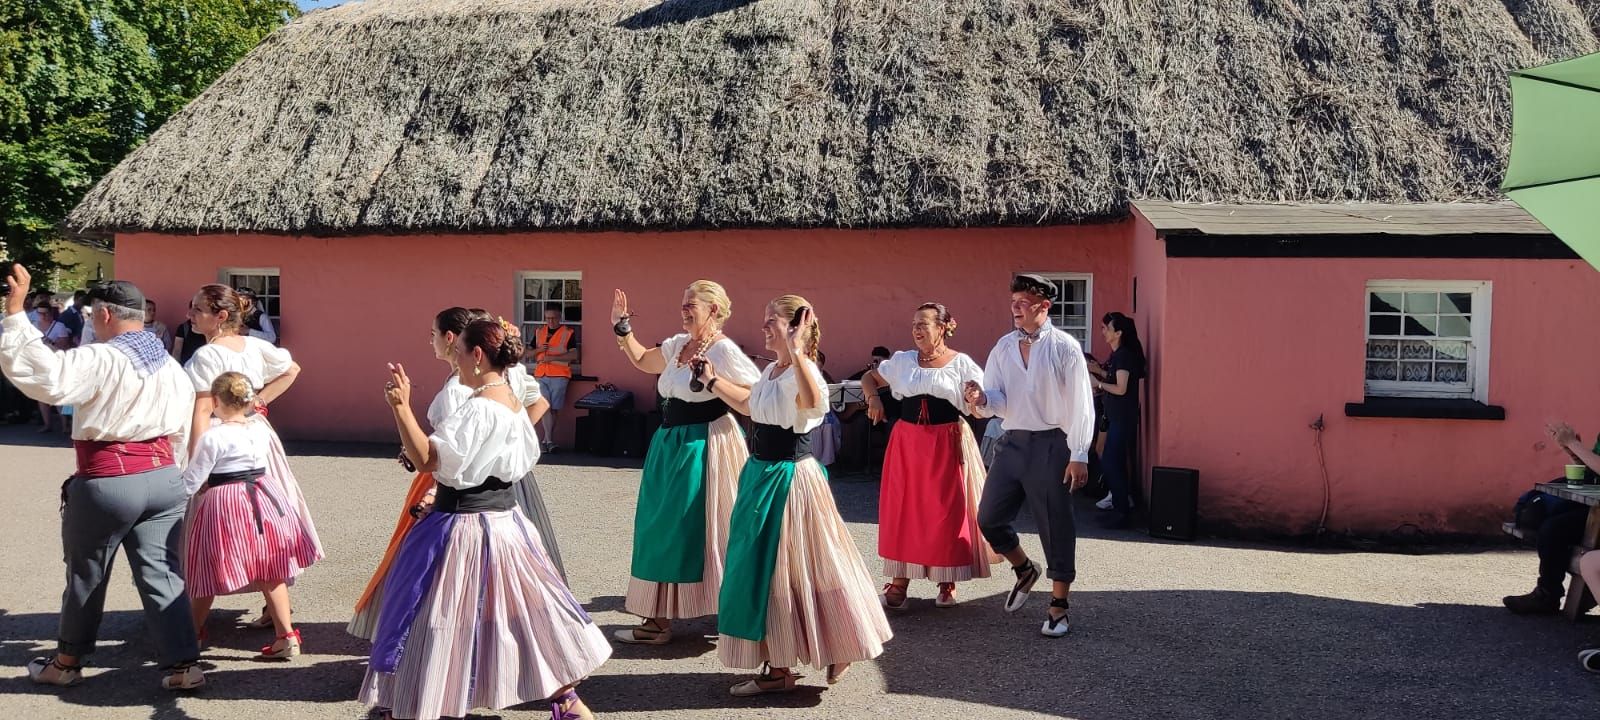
{"x":1201,"y":654}
{"x":123,"y":671}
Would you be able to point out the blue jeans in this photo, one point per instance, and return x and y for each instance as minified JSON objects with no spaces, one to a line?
{"x":1115,"y":463}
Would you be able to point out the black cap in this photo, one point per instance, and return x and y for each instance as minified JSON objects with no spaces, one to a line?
{"x":117,"y":292}
{"x":1034,"y":284}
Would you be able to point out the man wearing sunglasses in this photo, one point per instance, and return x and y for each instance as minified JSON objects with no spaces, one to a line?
{"x":1037,"y":381}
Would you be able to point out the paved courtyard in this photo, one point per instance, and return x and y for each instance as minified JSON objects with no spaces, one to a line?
{"x":1160,"y":630}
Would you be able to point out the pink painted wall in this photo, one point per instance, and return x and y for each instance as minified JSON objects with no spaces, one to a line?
{"x":1149,"y":268}
{"x":1254,"y":350}
{"x":352,"y":304}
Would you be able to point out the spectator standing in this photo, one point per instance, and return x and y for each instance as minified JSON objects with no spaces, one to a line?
{"x":156,"y":327}
{"x":1119,"y":380}
{"x":555,"y":346}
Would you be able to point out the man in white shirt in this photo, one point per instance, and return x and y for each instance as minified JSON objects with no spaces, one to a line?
{"x":1037,"y":381}
{"x":133,"y":406}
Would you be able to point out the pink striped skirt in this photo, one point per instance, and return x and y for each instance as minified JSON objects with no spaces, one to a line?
{"x":237,"y":536}
{"x":496,"y":628}
{"x":823,"y":603}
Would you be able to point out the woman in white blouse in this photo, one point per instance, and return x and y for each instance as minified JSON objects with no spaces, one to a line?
{"x":933,"y":471}
{"x":796,"y":590}
{"x":218,"y":313}
{"x":448,"y":325}
{"x":680,"y":526}
{"x":474,"y":613}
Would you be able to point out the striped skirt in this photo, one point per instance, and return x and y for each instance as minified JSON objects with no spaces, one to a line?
{"x":725,"y":455}
{"x":531,"y":502}
{"x":822,"y":606}
{"x":932,"y":481}
{"x":238,"y":535}
{"x":279,"y":474}
{"x":365,"y":620}
{"x":495,"y":627}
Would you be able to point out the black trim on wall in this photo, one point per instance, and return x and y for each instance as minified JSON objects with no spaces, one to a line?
{"x":1424,"y":408}
{"x":1474,"y":246}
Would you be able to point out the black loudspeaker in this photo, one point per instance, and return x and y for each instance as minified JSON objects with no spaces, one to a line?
{"x":1174,"y":503}
{"x":631,"y":438}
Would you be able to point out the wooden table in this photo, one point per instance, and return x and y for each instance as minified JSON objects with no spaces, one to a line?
{"x":1588,"y":495}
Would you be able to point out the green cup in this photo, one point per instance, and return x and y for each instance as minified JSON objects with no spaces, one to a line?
{"x":1576,"y":473}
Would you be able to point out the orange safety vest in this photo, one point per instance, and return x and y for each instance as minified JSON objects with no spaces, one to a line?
{"x":558,"y":345}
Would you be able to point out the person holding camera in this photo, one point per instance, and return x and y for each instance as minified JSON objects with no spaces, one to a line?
{"x":1037,"y":380}
{"x":797,"y":591}
{"x":680,"y":527}
{"x":131,"y":426}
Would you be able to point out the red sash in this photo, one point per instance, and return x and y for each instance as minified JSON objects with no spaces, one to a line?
{"x":98,"y":459}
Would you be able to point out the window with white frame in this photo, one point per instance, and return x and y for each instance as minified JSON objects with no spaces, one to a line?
{"x":538,"y":290}
{"x":1427,"y":339}
{"x":1071,"y":311}
{"x":264,"y":282}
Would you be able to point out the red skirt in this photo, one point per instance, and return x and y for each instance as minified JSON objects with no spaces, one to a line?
{"x":923,"y":514}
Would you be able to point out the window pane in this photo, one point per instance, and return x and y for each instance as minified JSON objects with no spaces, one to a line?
{"x":533,"y":288}
{"x":1072,"y":290}
{"x":1416,"y":350}
{"x":272,"y":284}
{"x":1450,"y":372}
{"x":1457,"y":303}
{"x":1075,"y":321}
{"x":1385,"y":302}
{"x":552,"y":289}
{"x":574,"y":290}
{"x":1422,"y":325}
{"x":1383,"y":325}
{"x":530,"y":311}
{"x":1383,"y":349}
{"x":1455,"y":326}
{"x":1416,"y":372}
{"x":1380,"y":371}
{"x":572,"y":313}
{"x":1424,"y":303}
{"x":1450,"y":350}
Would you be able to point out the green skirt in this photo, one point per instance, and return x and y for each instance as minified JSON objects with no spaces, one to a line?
{"x":753,"y":535}
{"x":669,"y":525}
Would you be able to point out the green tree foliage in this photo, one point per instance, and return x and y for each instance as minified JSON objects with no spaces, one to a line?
{"x":83,"y":82}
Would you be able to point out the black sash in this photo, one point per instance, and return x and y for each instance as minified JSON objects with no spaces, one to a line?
{"x":493,"y":495}
{"x":775,"y":444}
{"x":252,"y":481}
{"x":928,"y":410}
{"x":675,"y":412}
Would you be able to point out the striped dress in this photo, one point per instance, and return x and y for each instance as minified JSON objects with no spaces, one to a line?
{"x":241,"y":530}
{"x":474,"y":614}
{"x":797,"y":591}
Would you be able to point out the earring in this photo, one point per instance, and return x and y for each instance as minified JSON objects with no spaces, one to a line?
{"x":477,"y":369}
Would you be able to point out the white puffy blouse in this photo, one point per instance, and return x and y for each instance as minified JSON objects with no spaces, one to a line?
{"x":481,"y":439}
{"x":772,"y":400}
{"x":453,"y":395}
{"x":260,"y":362}
{"x":730,"y":363}
{"x":906,"y":377}
{"x":228,"y":447}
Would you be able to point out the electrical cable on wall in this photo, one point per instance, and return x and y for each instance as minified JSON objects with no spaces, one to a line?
{"x":1322,"y":462}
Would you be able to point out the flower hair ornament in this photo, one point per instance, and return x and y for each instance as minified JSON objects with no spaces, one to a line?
{"x":510,"y":329}
{"x":950,"y":328}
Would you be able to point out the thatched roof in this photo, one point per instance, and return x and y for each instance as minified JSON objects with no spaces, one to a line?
{"x":421,"y":115}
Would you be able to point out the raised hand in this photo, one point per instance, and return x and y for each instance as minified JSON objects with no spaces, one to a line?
{"x":20,"y":283}
{"x":398,"y":390}
{"x":619,"y":307}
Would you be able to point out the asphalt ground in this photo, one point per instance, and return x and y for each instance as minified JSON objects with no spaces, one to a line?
{"x":1161,"y":629}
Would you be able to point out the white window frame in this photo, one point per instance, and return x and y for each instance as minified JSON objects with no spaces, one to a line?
{"x":225,"y":277}
{"x":526,"y":323}
{"x":1482,"y":292}
{"x":1090,"y":322}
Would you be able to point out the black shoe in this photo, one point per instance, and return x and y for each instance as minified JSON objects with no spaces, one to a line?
{"x":1054,"y":626}
{"x":1027,"y":575}
{"x":1538,"y":602}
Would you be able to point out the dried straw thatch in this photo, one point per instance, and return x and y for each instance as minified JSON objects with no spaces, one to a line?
{"x":421,"y":115}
